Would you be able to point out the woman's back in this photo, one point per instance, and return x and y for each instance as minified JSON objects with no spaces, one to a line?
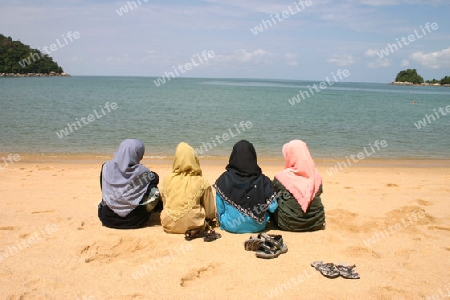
{"x":187,"y":196}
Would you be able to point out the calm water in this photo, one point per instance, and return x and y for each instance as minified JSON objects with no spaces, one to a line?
{"x":337,"y":121}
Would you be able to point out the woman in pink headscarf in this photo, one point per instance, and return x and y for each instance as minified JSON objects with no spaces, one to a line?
{"x":298,"y":189}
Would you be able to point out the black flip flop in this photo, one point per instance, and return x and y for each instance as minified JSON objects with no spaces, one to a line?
{"x":212,"y":236}
{"x":207,"y":235}
{"x":191,"y":234}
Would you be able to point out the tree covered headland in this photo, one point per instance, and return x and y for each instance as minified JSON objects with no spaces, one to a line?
{"x":16,"y":57}
{"x":410,"y":75}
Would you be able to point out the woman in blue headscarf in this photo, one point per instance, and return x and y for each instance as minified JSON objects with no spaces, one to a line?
{"x":129,"y":189}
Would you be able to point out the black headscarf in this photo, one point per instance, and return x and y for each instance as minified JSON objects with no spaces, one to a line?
{"x":243,"y":185}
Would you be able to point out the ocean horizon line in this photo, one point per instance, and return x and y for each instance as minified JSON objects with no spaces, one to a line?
{"x":227,"y":78}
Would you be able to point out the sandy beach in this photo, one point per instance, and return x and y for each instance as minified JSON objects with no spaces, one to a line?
{"x":389,"y":218}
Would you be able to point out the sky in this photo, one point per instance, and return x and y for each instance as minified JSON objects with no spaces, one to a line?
{"x":295,"y":40}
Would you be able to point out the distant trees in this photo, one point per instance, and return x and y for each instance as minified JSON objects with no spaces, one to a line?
{"x":410,"y":75}
{"x":433,"y":81}
{"x":16,"y":57}
{"x":445,"y":80}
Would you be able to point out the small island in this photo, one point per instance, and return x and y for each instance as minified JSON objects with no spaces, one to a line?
{"x":410,"y":77}
{"x":19,"y":60}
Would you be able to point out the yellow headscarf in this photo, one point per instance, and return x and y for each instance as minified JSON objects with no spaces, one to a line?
{"x":183,"y":187}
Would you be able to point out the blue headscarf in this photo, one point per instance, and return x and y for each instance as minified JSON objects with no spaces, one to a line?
{"x":124,"y":180}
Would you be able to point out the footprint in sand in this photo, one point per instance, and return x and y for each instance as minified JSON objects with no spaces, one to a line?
{"x":359,"y":251}
{"x":42,"y":211}
{"x":343,"y":219}
{"x":341,"y":213}
{"x":8,"y":228}
{"x":81,"y":226}
{"x":439,"y":228}
{"x":423,"y":202}
{"x":409,"y":215}
{"x":404,"y":253}
{"x":29,"y":296}
{"x":107,"y":251}
{"x":196,"y":274}
{"x":50,"y":283}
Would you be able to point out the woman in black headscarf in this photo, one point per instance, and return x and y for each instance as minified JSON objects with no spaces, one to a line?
{"x":244,"y":194}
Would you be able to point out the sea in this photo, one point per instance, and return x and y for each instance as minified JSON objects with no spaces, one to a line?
{"x":93,"y":114}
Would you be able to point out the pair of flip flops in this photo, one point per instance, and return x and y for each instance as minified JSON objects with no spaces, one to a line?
{"x":331,"y":270}
{"x":207,"y":235}
{"x":266,"y":245}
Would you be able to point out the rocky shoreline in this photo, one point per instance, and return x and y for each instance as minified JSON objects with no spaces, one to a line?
{"x":415,"y":84}
{"x":51,"y":74}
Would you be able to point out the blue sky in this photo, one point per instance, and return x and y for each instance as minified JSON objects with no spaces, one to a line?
{"x":307,"y":44}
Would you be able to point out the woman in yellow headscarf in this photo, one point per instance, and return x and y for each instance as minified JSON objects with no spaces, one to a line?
{"x":188,"y":198}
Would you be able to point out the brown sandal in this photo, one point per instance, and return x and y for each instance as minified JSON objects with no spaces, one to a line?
{"x":207,"y":235}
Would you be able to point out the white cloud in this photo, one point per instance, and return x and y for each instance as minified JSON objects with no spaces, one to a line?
{"x":267,"y":7}
{"x":291,"y":59}
{"x":404,"y":63}
{"x":342,"y":59}
{"x":380,"y":2}
{"x":154,"y":56}
{"x":117,"y":59}
{"x":434,"y":60}
{"x":371,"y":53}
{"x":379,"y":63}
{"x":242,"y":57}
{"x":398,"y":2}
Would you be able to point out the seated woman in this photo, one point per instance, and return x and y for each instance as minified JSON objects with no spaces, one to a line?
{"x":187,"y":196}
{"x":298,"y":188}
{"x":244,"y":194}
{"x":129,"y":191}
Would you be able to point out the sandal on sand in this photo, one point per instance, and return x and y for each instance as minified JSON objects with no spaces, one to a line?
{"x":266,"y":245}
{"x":263,"y":250}
{"x":347,"y":271}
{"x":212,"y":236}
{"x":271,"y":247}
{"x":191,"y":234}
{"x":207,"y":235}
{"x":328,"y":270}
{"x":274,"y":241}
{"x":253,"y":244}
{"x":267,"y":252}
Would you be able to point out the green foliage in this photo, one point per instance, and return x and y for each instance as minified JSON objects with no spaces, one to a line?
{"x":16,"y":57}
{"x":445,"y":80}
{"x":433,"y":81}
{"x":409,"y":75}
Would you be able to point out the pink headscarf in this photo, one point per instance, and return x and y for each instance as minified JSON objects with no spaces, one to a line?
{"x":300,"y":176}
